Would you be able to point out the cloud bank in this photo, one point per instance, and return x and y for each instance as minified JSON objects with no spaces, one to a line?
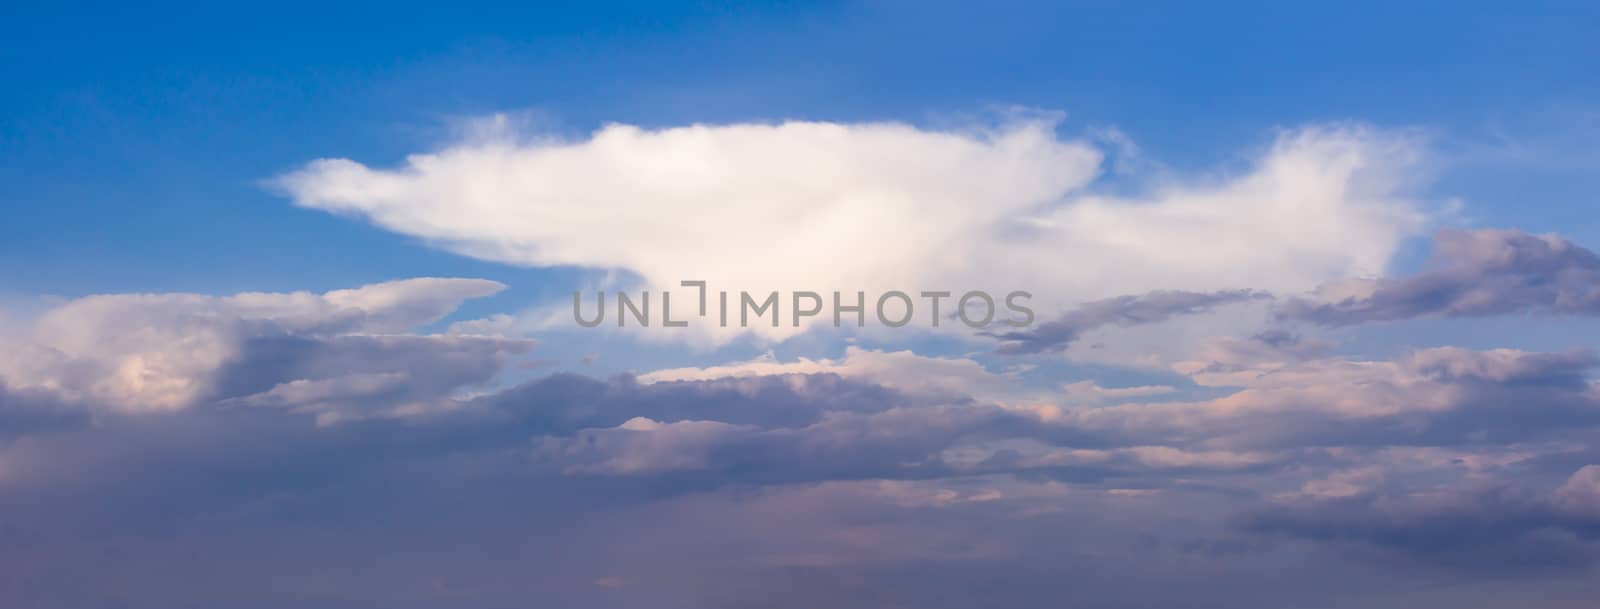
{"x":314,"y":449}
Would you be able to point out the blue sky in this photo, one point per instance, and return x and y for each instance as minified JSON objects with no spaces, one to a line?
{"x":135,"y":144}
{"x":284,"y":289}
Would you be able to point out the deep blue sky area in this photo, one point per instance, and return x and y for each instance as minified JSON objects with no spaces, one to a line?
{"x":134,"y":143}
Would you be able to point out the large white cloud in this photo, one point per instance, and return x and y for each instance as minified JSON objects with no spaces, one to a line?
{"x":878,"y":206}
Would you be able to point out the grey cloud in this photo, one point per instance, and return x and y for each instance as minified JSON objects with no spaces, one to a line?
{"x":839,"y":483}
{"x":565,"y":403}
{"x":795,"y":490}
{"x":357,"y":375}
{"x":1499,"y":525}
{"x":1152,"y":307}
{"x":1471,"y":274}
{"x":1431,"y":397}
{"x":24,"y":412}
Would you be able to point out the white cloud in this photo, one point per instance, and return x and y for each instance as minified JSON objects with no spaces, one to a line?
{"x":827,"y":206}
{"x":140,"y":352}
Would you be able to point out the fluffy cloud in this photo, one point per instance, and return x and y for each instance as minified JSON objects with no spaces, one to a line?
{"x":151,"y":352}
{"x":826,"y":206}
{"x":286,"y":455}
{"x":576,"y":480}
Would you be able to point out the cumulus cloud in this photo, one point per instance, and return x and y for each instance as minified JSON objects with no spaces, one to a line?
{"x":861,"y":468}
{"x":782,"y":471}
{"x":879,"y":206}
{"x":1472,"y":274}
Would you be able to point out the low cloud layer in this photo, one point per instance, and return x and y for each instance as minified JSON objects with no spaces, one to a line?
{"x":321,"y":452}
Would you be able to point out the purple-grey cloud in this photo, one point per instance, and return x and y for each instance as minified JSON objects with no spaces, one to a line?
{"x":333,"y":463}
{"x":1472,"y":273}
{"x":1498,"y":525}
{"x":1122,"y":311}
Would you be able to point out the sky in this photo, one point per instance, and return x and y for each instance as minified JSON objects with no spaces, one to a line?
{"x":287,"y":305}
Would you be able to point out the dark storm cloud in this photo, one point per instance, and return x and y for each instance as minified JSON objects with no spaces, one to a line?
{"x":1124,"y":311}
{"x":1471,"y":274}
